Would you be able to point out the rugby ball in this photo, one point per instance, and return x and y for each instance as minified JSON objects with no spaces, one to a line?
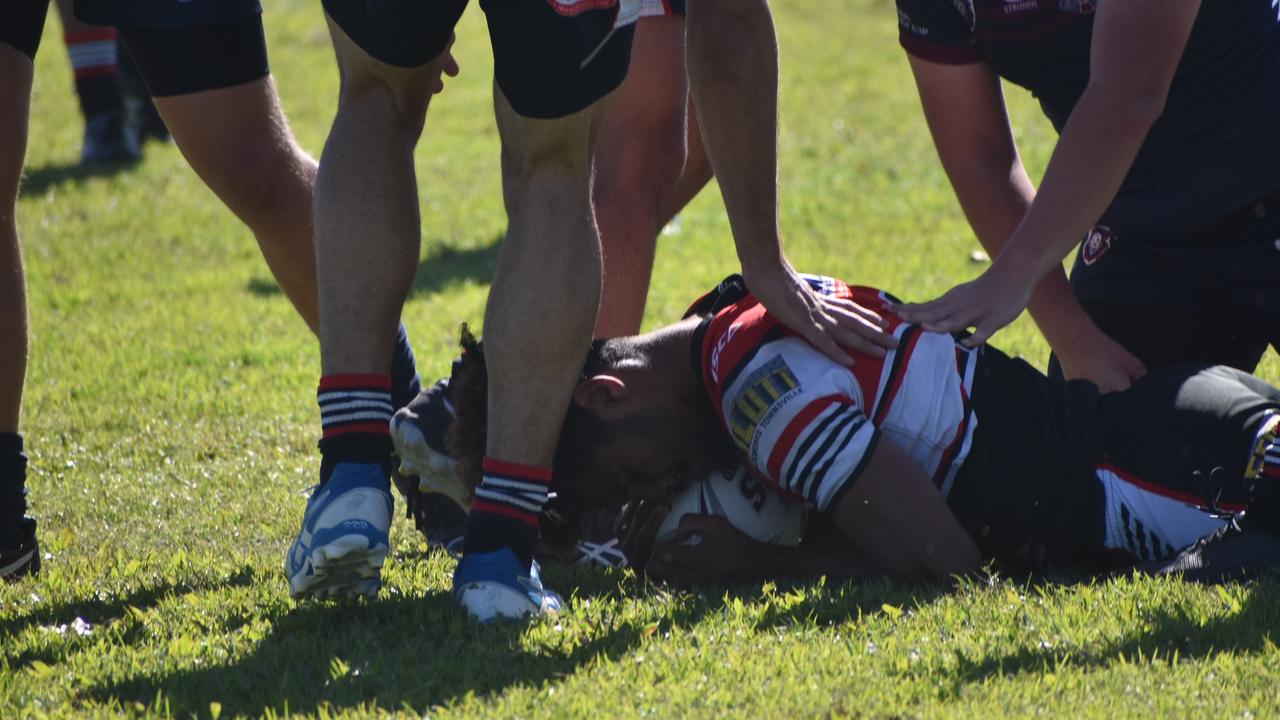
{"x":747,"y":503}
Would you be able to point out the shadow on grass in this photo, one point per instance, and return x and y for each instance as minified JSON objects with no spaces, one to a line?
{"x":37,"y":180}
{"x":442,"y":269}
{"x":445,"y":267}
{"x":394,"y":653}
{"x":1168,"y":631}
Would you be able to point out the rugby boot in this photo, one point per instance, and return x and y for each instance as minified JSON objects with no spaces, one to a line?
{"x":108,"y":139}
{"x":418,"y":431}
{"x":23,"y":558}
{"x":496,"y":586}
{"x":345,"y":536}
{"x":1236,"y":551}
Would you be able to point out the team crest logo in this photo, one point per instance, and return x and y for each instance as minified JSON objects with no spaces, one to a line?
{"x":1080,"y":7}
{"x":1096,"y":244}
{"x":570,"y":8}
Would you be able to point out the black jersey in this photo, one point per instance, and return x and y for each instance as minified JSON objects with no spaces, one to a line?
{"x":1215,"y":149}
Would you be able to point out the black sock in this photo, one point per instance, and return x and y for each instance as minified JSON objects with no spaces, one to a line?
{"x":94,"y":57}
{"x":405,"y":383}
{"x":13,"y":487}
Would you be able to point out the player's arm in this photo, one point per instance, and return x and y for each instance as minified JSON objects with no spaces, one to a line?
{"x":733,"y":72}
{"x":1136,"y":47}
{"x":895,"y":518}
{"x":709,"y":549}
{"x":965,"y":110}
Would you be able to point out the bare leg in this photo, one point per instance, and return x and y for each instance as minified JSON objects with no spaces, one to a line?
{"x":238,"y":141}
{"x":15,"y":105}
{"x":547,"y":287}
{"x":641,"y":154}
{"x":367,"y":223}
{"x":697,"y":171}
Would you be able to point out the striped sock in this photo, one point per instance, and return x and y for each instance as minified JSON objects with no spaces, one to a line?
{"x":355,"y":413}
{"x":1264,"y":506}
{"x":94,"y":59}
{"x":506,"y":509}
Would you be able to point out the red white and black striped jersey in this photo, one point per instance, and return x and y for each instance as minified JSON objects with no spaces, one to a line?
{"x":808,"y":425}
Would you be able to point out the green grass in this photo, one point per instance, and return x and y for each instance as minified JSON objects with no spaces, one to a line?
{"x":170,"y":416}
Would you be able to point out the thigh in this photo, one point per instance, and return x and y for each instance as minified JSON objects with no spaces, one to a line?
{"x":1189,"y":431}
{"x":177,"y":61}
{"x":22,"y":24}
{"x":1166,"y":335}
{"x":555,"y":58}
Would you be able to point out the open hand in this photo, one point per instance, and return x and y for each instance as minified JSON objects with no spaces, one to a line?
{"x":829,"y":324}
{"x":985,"y":304}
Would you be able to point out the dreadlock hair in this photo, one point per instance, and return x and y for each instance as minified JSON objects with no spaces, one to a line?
{"x":469,"y":387}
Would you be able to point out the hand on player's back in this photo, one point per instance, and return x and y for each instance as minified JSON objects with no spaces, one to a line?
{"x":986,"y":304}
{"x":829,"y":324}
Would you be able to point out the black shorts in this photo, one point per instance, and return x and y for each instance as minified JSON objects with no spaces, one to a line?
{"x":1212,"y":297}
{"x":22,"y":24}
{"x":1059,"y":473}
{"x":187,"y":47}
{"x":552,"y":58}
{"x":160,"y":14}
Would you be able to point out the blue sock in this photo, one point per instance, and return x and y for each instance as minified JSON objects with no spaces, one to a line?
{"x":405,"y":383}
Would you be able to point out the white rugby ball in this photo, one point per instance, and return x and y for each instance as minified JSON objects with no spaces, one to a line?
{"x":736,"y":495}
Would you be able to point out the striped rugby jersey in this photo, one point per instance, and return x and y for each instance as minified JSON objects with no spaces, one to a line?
{"x":807,"y":425}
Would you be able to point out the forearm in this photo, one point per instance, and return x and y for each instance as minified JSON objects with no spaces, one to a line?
{"x":732,"y":53}
{"x":1093,"y":156}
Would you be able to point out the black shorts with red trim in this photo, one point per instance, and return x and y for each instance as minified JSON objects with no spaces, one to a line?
{"x":22,"y":24}
{"x":552,"y":58}
{"x":1061,"y":474}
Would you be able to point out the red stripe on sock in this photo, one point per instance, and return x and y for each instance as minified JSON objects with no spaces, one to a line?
{"x":365,"y":428}
{"x":94,"y":35}
{"x":483,"y":506}
{"x":524,"y":472}
{"x":353,"y":380}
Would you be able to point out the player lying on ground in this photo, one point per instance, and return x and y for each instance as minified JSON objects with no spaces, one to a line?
{"x":928,"y":460}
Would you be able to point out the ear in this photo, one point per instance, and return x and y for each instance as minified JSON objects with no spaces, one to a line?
{"x":600,"y":393}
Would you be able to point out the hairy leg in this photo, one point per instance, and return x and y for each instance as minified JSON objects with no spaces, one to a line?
{"x":366,"y":209}
{"x":546,"y":290}
{"x":697,"y":171}
{"x":238,"y":141}
{"x":641,"y":153}
{"x":15,"y":105}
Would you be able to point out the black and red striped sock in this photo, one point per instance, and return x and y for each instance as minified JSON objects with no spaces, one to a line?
{"x":505,"y":513}
{"x":355,"y":413}
{"x":94,"y":60}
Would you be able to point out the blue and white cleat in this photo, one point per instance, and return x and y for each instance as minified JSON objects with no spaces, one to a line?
{"x":345,"y":536}
{"x":494,"y":585}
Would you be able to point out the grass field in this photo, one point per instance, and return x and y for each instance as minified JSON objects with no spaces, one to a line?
{"x":171,"y":421}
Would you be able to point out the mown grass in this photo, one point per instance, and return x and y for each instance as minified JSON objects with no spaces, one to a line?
{"x":171,"y":423}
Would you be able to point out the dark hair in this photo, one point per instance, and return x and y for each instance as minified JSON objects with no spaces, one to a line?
{"x":469,"y":388}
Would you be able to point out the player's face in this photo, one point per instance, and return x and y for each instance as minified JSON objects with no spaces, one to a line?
{"x":651,"y":452}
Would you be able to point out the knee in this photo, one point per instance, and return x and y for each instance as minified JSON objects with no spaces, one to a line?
{"x":270,"y":182}
{"x":390,"y":95}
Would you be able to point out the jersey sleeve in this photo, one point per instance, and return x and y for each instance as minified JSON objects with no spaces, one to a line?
{"x":798,"y":421}
{"x":939,"y":31}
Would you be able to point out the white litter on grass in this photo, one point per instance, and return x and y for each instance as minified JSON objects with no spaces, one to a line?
{"x":979,"y":256}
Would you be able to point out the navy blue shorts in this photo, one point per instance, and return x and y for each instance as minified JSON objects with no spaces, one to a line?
{"x":22,"y":23}
{"x":1210,"y":297}
{"x":552,"y":58}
